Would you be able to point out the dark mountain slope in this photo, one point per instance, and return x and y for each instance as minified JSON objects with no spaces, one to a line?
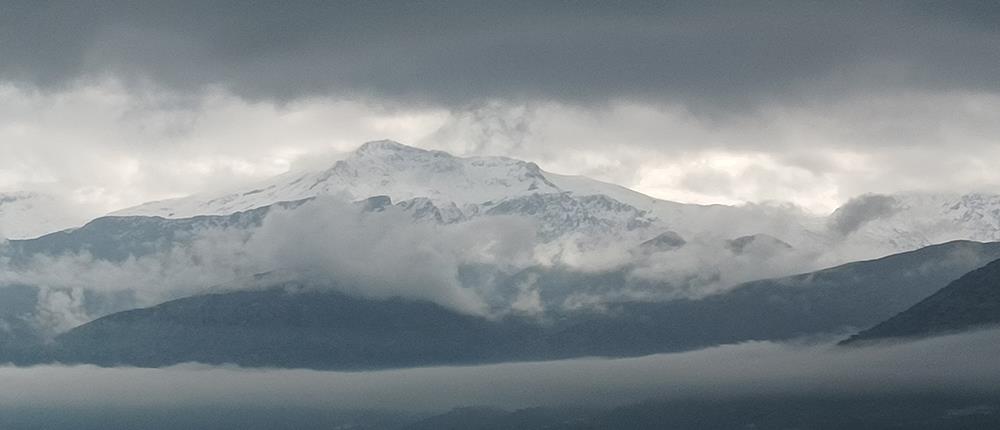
{"x":115,"y":238}
{"x":288,"y":328}
{"x":835,"y":300}
{"x":329,"y":330}
{"x":971,"y":301}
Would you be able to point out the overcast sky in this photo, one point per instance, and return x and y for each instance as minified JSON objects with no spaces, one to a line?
{"x":114,"y":103}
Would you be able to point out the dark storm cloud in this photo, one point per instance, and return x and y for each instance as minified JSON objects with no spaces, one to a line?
{"x":860,"y":210}
{"x":456,"y":53}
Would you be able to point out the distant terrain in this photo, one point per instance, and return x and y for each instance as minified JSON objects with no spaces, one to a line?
{"x":970,"y":302}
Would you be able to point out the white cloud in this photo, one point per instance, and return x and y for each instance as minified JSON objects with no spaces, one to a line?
{"x":328,"y":242}
{"x":60,"y":310}
{"x":111,"y":146}
{"x":816,"y":153}
{"x":388,"y":255}
{"x":108,"y":146}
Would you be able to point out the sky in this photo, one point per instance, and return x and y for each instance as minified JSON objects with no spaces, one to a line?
{"x":109,"y":104}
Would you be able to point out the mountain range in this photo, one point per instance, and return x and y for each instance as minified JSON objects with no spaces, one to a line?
{"x":454,"y":189}
{"x":308,"y":325}
{"x":669,"y":283}
{"x":970,"y":302}
{"x":457,"y":188}
{"x":451,"y":189}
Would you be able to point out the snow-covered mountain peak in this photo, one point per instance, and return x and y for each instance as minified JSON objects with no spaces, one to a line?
{"x":439,"y":186}
{"x":391,"y":149}
{"x":913,"y":220}
{"x":446,"y":188}
{"x":437,"y":174}
{"x":382,"y":167}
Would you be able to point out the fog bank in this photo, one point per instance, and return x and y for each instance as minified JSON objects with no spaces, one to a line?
{"x":749,"y":369}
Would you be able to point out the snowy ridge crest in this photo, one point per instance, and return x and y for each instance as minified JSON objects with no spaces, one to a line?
{"x":376,"y":168}
{"x":435,"y":185}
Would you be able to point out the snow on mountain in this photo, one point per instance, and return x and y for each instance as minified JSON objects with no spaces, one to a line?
{"x":376,"y":168}
{"x":423,"y":208}
{"x":559,"y":214}
{"x":435,"y":185}
{"x":441,"y":187}
{"x":913,"y":220}
{"x":27,"y":214}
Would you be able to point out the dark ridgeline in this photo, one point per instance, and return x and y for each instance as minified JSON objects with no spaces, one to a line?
{"x":282,"y":327}
{"x":318,"y":328}
{"x":334,"y":331}
{"x":972,"y":301}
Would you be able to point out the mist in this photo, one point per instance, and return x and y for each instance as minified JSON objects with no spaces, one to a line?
{"x":334,"y":244}
{"x":734,"y":371}
{"x":329,"y":242}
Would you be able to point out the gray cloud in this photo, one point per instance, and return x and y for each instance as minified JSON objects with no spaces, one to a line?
{"x":824,"y":100}
{"x":456,"y":53}
{"x":860,"y":210}
{"x":110,"y":147}
{"x":745,"y":370}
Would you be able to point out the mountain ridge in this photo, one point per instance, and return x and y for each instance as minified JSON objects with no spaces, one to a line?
{"x":315,"y":326}
{"x":454,"y":189}
{"x":467,"y":185}
{"x":970,"y":302}
{"x":28,"y":214}
{"x":384,"y":164}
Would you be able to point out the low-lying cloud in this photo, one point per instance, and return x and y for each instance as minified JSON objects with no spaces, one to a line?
{"x":329,"y":242}
{"x":474,"y":267}
{"x":387,"y":254}
{"x":744,"y":370}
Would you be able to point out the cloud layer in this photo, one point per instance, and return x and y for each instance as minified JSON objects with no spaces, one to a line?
{"x":104,"y":147}
{"x":110,"y":104}
{"x":326,"y":243}
{"x":457,"y":53}
{"x":745,"y":370}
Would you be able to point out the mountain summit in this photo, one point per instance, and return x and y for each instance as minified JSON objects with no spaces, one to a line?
{"x":25,"y":214}
{"x":972,"y":301}
{"x":457,"y":188}
{"x":382,"y":167}
{"x":465,"y":187}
